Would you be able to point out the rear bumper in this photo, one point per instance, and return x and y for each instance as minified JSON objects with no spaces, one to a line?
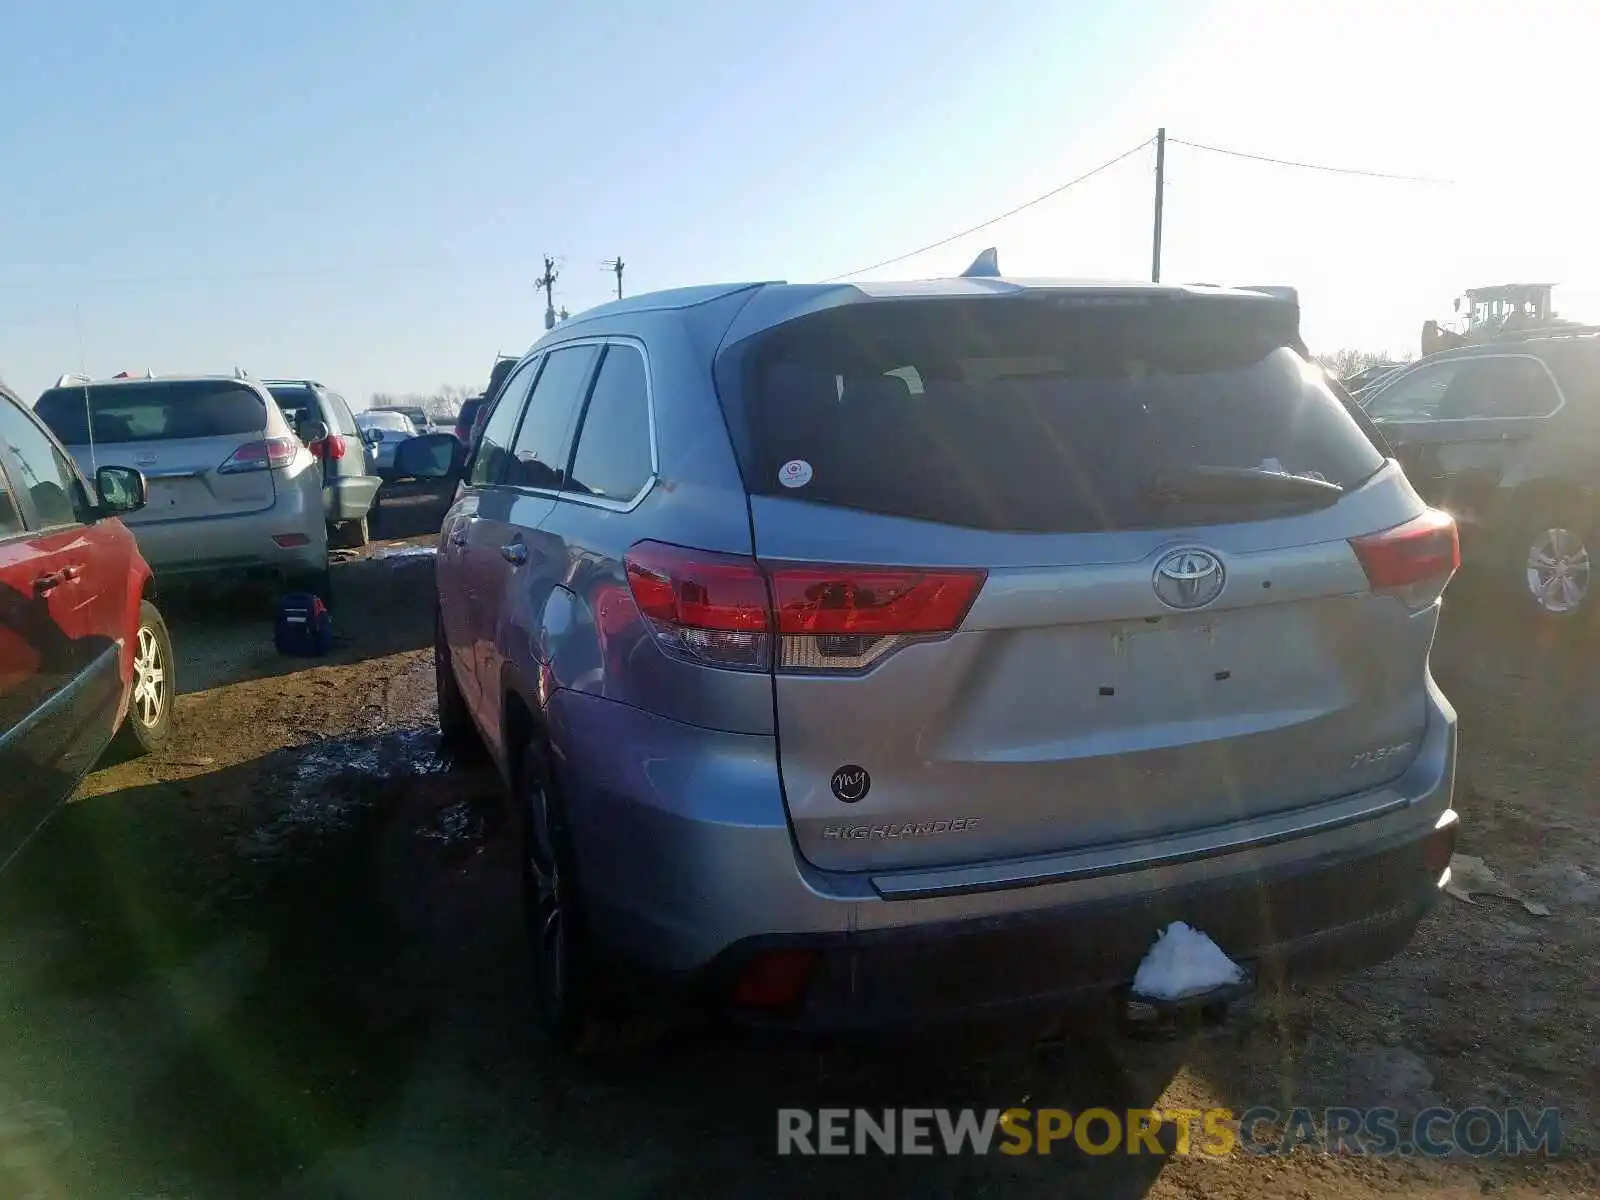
{"x":210,"y":546}
{"x":690,"y":870}
{"x":1310,"y":922}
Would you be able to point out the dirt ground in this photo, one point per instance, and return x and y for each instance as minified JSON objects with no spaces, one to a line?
{"x":281,"y":959}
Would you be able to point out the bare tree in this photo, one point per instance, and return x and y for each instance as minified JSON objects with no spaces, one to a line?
{"x":1346,"y":362}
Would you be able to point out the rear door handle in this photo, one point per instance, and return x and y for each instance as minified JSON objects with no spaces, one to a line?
{"x":515,"y":553}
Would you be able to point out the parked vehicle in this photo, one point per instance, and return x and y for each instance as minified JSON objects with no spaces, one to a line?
{"x":1504,"y":435}
{"x":864,"y":654}
{"x":233,"y":490}
{"x":84,"y":652}
{"x":1367,"y":376}
{"x":415,"y":413}
{"x":350,"y":481}
{"x":382,"y":431}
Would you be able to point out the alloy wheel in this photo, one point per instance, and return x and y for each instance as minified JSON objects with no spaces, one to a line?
{"x":149,"y":678}
{"x":547,"y":916}
{"x":1558,"y":571}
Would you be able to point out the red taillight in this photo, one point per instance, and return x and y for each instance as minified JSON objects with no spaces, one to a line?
{"x":267,"y":455}
{"x":330,"y":448}
{"x":711,"y":608}
{"x":1413,"y":561}
{"x":776,"y":979}
{"x":726,"y":610}
{"x":871,"y":600}
{"x":290,"y":541}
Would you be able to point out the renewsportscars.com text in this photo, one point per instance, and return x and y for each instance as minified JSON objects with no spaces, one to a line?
{"x":1212,"y":1132}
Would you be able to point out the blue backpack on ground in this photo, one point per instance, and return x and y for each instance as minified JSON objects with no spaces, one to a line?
{"x":304,"y":627}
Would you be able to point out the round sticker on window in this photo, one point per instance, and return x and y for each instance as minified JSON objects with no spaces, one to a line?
{"x":795,"y":473}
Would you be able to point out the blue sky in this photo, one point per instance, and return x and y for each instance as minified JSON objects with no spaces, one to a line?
{"x":362,"y":192}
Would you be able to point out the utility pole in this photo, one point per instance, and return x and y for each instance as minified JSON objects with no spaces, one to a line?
{"x":547,"y":283}
{"x":615,"y":265}
{"x":1161,"y":187}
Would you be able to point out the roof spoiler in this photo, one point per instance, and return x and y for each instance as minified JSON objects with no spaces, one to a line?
{"x":1289,"y":296}
{"x":73,"y":379}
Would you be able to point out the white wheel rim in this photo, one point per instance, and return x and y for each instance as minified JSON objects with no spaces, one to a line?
{"x":149,"y":678}
{"x":1558,"y":571}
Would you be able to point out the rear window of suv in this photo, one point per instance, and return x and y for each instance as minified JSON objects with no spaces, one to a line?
{"x":154,"y":411}
{"x":1036,"y":415}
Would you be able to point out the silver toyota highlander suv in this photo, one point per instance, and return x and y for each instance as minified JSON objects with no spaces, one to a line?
{"x":863,"y":653}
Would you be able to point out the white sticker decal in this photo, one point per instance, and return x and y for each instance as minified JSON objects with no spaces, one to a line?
{"x":795,"y":473}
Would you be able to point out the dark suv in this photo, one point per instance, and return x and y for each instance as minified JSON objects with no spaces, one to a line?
{"x":1506,"y":436}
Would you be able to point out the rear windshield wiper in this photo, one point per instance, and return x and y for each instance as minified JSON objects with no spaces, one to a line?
{"x":1224,"y":485}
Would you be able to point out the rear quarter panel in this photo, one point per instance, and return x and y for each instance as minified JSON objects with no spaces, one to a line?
{"x":592,"y":639}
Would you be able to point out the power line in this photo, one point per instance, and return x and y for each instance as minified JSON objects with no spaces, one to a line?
{"x":1305,"y":166}
{"x":1010,"y":212}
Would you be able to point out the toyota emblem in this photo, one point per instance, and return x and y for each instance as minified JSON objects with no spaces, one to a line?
{"x":1188,"y":579}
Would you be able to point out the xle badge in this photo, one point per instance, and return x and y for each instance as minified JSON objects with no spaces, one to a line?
{"x":850,"y":783}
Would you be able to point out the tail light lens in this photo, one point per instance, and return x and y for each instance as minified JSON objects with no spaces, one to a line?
{"x":846,"y":618}
{"x":331,"y":448}
{"x":270,"y":454}
{"x":1414,"y":561}
{"x":703,"y":607}
{"x":731,"y":611}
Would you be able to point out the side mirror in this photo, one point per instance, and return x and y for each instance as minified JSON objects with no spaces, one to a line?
{"x":121,"y":490}
{"x":372,"y":436}
{"x":312,"y":431}
{"x":428,"y":456}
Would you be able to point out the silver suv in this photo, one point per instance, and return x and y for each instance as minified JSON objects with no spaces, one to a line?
{"x":347,"y":453}
{"x":875,"y":652}
{"x":233,"y":490}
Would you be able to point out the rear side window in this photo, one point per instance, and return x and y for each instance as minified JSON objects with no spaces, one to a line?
{"x":613,"y":457}
{"x":1036,"y":414}
{"x":344,"y":421}
{"x":151,"y":412}
{"x":544,"y":439}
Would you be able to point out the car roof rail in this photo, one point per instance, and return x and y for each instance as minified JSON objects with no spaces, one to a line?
{"x":73,"y":379}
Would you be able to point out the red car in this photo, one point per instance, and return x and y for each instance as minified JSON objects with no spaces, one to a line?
{"x":84,"y":652}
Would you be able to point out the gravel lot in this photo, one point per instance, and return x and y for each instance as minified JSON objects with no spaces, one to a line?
{"x":281,"y":959}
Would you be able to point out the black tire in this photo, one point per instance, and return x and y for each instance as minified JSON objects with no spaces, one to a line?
{"x":457,"y":732}
{"x":148,"y":723}
{"x":1551,"y":569}
{"x":348,"y":535}
{"x":561,"y":958}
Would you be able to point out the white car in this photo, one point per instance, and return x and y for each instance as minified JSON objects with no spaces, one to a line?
{"x":392,"y":428}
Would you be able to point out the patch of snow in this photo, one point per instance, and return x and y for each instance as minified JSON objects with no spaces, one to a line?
{"x":1470,"y":876}
{"x":1184,"y":962}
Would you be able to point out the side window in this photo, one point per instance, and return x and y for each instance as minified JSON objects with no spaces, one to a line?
{"x":544,"y":439}
{"x":48,"y":475}
{"x":10,"y":512}
{"x":1417,"y":396}
{"x":344,"y":420}
{"x":1505,"y":387}
{"x":489,"y":460}
{"x":613,"y":458}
